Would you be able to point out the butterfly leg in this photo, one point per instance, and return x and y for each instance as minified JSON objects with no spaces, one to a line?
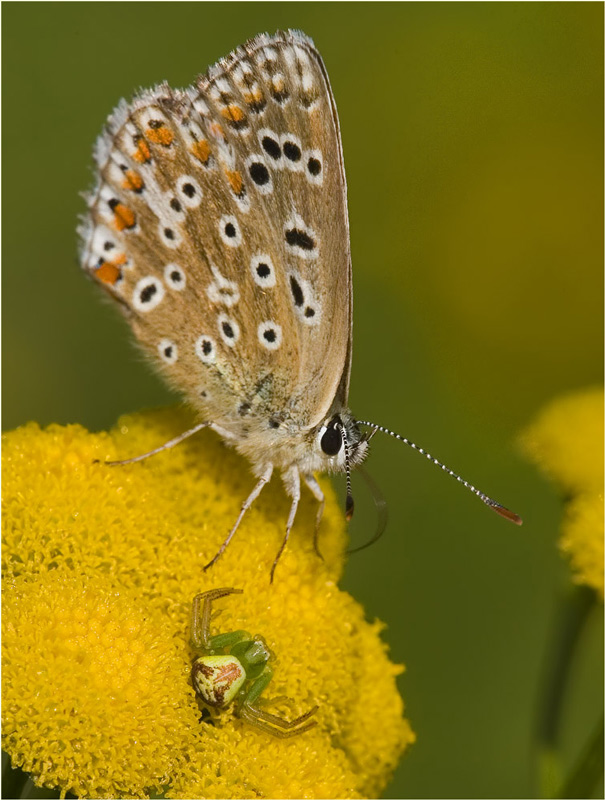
{"x":166,"y":446}
{"x":315,"y":488}
{"x":265,"y":478}
{"x":292,"y":482}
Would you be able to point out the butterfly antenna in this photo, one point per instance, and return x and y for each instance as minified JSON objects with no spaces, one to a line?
{"x":497,"y":507}
{"x":349,"y":502}
{"x":381,"y":509}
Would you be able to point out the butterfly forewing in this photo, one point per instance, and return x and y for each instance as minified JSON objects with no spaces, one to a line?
{"x":220,"y":224}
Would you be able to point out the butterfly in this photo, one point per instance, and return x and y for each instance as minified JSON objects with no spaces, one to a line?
{"x":219,"y":224}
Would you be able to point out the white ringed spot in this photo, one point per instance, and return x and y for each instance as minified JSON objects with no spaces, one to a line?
{"x":229,"y":230}
{"x":314,"y":166}
{"x":262,"y":270}
{"x":175,"y":277}
{"x":176,"y":207}
{"x":270,"y":335}
{"x":170,"y":236}
{"x":189,"y":191}
{"x":205,"y":349}
{"x":148,"y":293}
{"x":269,"y":141}
{"x":292,"y":150}
{"x":168,"y":351}
{"x":300,"y":238}
{"x":259,"y":173}
{"x":228,"y":329}
{"x":305,"y":305}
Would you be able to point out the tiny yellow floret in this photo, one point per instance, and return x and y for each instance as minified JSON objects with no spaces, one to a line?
{"x":566,"y":441}
{"x":100,"y":566}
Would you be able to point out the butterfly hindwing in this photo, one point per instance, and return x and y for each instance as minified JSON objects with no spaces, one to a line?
{"x":220,"y":224}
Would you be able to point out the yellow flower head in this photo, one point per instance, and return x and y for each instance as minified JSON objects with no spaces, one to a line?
{"x":100,"y":567}
{"x":566,"y":440}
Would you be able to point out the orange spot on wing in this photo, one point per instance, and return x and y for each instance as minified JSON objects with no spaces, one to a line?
{"x":132,"y":181}
{"x":124,"y":217}
{"x":161,"y":135}
{"x":235,"y":180}
{"x":233,"y":112}
{"x":142,"y":154}
{"x":201,"y":150}
{"x":109,"y":271}
{"x":216,"y":130}
{"x":255,"y":96}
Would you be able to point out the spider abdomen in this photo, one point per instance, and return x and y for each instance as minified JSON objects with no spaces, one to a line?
{"x":217,"y":679}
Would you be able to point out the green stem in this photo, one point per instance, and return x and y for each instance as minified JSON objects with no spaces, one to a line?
{"x":570,"y":619}
{"x":588,"y":770}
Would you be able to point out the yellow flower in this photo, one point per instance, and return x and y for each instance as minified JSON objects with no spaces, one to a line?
{"x":100,"y":566}
{"x":566,"y":440}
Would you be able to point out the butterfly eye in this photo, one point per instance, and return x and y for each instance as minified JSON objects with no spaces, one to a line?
{"x":331,"y":441}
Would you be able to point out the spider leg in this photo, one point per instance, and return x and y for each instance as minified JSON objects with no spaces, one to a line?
{"x":274,"y":719}
{"x":276,"y":726}
{"x":315,"y":488}
{"x":166,"y":446}
{"x":200,"y":618}
{"x":265,"y":478}
{"x":222,"y":640}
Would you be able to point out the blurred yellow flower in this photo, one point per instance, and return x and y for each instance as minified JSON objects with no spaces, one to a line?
{"x":566,"y":441}
{"x":100,"y":566}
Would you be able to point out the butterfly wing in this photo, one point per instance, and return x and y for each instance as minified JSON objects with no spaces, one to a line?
{"x":220,"y":225}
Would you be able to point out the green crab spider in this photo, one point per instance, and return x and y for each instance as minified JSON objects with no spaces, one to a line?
{"x":233,"y":667}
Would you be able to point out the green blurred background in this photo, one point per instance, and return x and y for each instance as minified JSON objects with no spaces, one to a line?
{"x":472,"y":136}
